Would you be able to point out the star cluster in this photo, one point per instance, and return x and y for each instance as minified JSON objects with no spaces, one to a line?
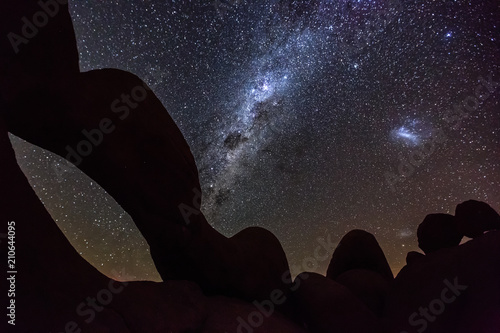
{"x":295,"y":112}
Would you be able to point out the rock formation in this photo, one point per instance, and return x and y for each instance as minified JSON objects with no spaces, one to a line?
{"x":359,"y":249}
{"x":438,"y":231}
{"x":454,"y":289}
{"x":58,"y":291}
{"x":359,"y":264}
{"x":368,"y":286}
{"x":112,"y":127}
{"x":326,"y":306}
{"x":476,"y":217}
{"x":413,"y":256}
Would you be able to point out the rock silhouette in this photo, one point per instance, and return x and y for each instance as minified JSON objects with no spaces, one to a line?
{"x":112,"y":127}
{"x":56,"y":281}
{"x":454,"y":289}
{"x":476,"y":217}
{"x":438,"y":231}
{"x":327,"y":306}
{"x":413,"y":256}
{"x":359,"y":264}
{"x":359,"y":249}
{"x":368,"y":286}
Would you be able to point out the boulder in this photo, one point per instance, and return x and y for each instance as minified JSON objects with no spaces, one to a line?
{"x":326,"y":306}
{"x":233,"y":315}
{"x":413,"y":256}
{"x":455,"y":289}
{"x":368,"y":286}
{"x":359,"y":249}
{"x":476,"y":217}
{"x":438,"y":231}
{"x":34,"y":50}
{"x":170,"y":306}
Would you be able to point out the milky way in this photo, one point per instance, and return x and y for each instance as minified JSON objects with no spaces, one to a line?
{"x":307,"y":118}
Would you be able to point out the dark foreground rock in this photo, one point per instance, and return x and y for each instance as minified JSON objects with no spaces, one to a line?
{"x":326,"y":306}
{"x":451,"y":290}
{"x":438,"y":231}
{"x":359,"y":264}
{"x":413,"y":256}
{"x":359,"y":249}
{"x":112,"y":127}
{"x":476,"y":217}
{"x":368,"y":286}
{"x":59,"y":291}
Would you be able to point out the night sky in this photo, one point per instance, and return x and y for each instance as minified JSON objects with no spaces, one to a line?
{"x":303,"y":117}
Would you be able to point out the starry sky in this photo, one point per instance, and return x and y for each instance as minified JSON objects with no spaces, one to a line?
{"x":308,"y":118}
